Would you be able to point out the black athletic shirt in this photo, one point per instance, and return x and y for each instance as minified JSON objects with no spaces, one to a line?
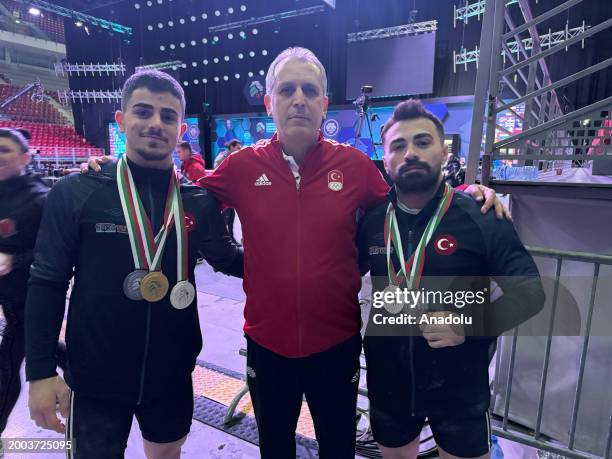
{"x":117,"y":348}
{"x":483,"y":247}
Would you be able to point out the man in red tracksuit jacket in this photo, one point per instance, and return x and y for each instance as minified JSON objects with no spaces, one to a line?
{"x":193,"y":167}
{"x":298,"y":196}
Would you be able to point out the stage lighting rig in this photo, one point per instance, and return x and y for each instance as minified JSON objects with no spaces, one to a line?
{"x":77,"y":16}
{"x":161,"y":66}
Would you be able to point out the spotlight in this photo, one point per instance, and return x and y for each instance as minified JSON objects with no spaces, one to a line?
{"x":160,"y":25}
{"x":195,"y":81}
{"x":225,"y":78}
{"x":226,"y":58}
{"x":216,"y":79}
{"x":192,"y":18}
{"x":252,"y":53}
{"x":185,"y":83}
{"x":216,"y":60}
{"x":194,"y":64}
{"x":172,"y":46}
{"x":204,"y":80}
{"x":237,"y":76}
{"x":230,"y":35}
{"x":159,"y":2}
{"x":205,"y":62}
{"x":162,"y":48}
{"x":240,"y":55}
{"x":264,"y":52}
{"x":170,"y":24}
{"x":230,"y":10}
{"x":149,"y":3}
{"x":215,"y":39}
{"x":137,"y":6}
{"x":243,"y":8}
{"x":78,"y":24}
{"x":262,"y":73}
{"x":182,"y":21}
{"x":149,"y":27}
{"x":217,"y":13}
{"x":34,"y":11}
{"x":174,"y":67}
{"x":204,"y":40}
{"x":242,"y":34}
{"x":250,"y":74}
{"x":204,"y":16}
{"x":182,"y":45}
{"x":184,"y":66}
{"x":255,"y":31}
{"x":193,"y":43}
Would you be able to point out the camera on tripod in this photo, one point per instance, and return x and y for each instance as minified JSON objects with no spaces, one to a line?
{"x":363,"y":101}
{"x":362,"y":104}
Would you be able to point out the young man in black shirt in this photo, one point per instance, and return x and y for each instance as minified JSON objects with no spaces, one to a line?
{"x":428,"y":354}
{"x":130,"y":235}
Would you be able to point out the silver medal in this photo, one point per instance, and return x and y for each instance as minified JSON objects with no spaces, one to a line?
{"x":131,"y":284}
{"x":182,"y":294}
{"x":393,"y":307}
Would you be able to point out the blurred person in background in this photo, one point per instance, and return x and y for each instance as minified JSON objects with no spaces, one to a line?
{"x":22,"y":196}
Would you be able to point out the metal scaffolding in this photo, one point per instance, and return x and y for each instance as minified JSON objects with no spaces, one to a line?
{"x":550,"y":138}
{"x":469,"y":10}
{"x":89,"y":96}
{"x":78,"y":16}
{"x":398,"y":31}
{"x":464,"y":56}
{"x":78,"y":69}
{"x":160,"y":66}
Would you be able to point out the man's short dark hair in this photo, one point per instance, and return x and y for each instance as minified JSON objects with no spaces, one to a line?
{"x":232,"y":143}
{"x":411,"y":110}
{"x":186,"y":145}
{"x":154,"y":81}
{"x":19,"y":136}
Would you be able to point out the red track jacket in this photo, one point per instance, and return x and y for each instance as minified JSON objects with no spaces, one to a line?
{"x":301,"y":273}
{"x":193,"y":169}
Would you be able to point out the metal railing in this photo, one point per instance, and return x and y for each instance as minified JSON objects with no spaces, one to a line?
{"x":502,"y":426}
{"x":64,"y":154}
{"x":535,"y":437}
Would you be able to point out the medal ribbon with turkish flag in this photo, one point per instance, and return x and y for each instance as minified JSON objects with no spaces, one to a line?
{"x":415,"y":264}
{"x":146,"y":249}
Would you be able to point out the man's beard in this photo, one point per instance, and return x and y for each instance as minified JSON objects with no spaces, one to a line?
{"x":423,"y":180}
{"x":152,"y":156}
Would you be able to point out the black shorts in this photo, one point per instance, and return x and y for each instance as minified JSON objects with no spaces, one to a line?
{"x":462,"y":437}
{"x":100,"y":428}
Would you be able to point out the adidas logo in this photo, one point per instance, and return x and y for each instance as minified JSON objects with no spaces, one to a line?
{"x":263,"y":180}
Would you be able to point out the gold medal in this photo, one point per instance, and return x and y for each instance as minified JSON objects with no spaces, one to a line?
{"x":154,"y":286}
